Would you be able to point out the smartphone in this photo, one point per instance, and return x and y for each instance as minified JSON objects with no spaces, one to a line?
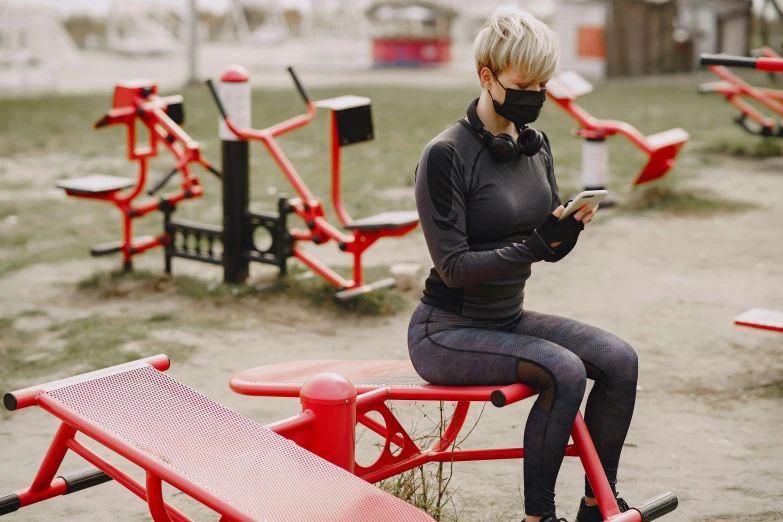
{"x":588,"y":197}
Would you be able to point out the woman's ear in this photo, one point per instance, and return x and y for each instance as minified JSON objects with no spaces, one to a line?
{"x":486,"y":77}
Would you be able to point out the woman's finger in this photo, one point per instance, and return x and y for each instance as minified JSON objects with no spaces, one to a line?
{"x":582,"y":212}
{"x":589,"y":216}
{"x":558,"y":211}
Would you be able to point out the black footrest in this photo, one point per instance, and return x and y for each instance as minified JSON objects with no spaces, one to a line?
{"x":114,"y":247}
{"x":658,"y":506}
{"x":344,"y":295}
{"x":85,"y":479}
{"x":9,"y":503}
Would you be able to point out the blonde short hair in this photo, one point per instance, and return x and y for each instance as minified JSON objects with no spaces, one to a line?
{"x":516,"y":39}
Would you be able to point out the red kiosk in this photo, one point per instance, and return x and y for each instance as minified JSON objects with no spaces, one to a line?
{"x":410,"y":33}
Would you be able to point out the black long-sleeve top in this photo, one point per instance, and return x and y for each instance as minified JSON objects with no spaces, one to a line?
{"x":476,"y":214}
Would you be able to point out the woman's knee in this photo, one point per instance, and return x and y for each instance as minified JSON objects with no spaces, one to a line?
{"x":571,"y":378}
{"x":625,"y":362}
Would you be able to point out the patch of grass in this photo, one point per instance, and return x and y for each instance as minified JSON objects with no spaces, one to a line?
{"x":76,"y":346}
{"x":772,"y":390}
{"x":764,"y":148}
{"x":299,"y":284}
{"x":119,"y":283}
{"x":683,"y":202}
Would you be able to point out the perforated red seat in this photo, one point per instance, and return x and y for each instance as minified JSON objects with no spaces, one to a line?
{"x":398,"y":376}
{"x":217,"y":455}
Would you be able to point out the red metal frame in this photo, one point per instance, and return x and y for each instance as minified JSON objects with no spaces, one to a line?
{"x":661,"y":155}
{"x":325,"y":427}
{"x":140,"y":100}
{"x":372,"y":398}
{"x":311,"y":210}
{"x":733,"y":87}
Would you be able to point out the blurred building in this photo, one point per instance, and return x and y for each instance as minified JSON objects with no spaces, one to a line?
{"x":34,"y":47}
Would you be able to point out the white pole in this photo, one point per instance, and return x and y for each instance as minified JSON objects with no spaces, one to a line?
{"x":192,"y":43}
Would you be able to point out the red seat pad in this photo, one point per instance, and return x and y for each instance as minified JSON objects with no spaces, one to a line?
{"x":235,"y":459}
{"x":361,"y":373}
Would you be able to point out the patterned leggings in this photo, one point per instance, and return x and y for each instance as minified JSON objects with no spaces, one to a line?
{"x":552,"y":354}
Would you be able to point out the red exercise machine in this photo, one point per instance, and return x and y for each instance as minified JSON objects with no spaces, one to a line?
{"x":755,"y":317}
{"x":351,"y":122}
{"x":239,"y":469}
{"x":162,"y":116}
{"x":661,"y":149}
{"x":734,"y":88}
{"x":379,"y":381}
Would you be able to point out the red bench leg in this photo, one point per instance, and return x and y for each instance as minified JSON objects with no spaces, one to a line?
{"x":155,"y":499}
{"x":595,"y":472}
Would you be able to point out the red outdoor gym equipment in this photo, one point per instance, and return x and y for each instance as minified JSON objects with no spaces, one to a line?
{"x":351,"y":122}
{"x":733,"y":88}
{"x":379,"y":381}
{"x":237,"y":468}
{"x":661,"y":148}
{"x":755,"y":317}
{"x":139,"y":100}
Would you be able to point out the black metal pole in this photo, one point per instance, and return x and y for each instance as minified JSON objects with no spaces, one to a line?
{"x":235,"y":101}
{"x":235,"y":203}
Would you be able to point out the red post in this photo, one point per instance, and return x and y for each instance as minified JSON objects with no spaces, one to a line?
{"x":332,"y":399}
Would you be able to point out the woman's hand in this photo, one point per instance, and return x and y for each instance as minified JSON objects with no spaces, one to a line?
{"x":582,"y":215}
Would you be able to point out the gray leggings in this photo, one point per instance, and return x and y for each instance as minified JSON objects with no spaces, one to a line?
{"x":552,"y":354}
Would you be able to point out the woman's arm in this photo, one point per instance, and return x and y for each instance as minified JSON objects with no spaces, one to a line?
{"x":440,"y":200}
{"x":550,"y":173}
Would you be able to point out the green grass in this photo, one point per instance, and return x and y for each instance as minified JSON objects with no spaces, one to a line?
{"x":299,"y":284}
{"x":773,"y":390}
{"x":77,"y":346}
{"x":682,"y":202}
{"x":405,"y":120}
{"x":763,"y":148}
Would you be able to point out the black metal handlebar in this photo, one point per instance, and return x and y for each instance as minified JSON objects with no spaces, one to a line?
{"x":728,"y":60}
{"x":299,"y":85}
{"x":216,"y":98}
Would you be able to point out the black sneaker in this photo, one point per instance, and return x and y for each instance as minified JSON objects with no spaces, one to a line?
{"x":554,"y":519}
{"x":593,"y":514}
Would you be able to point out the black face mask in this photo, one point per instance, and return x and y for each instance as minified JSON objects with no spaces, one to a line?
{"x":520,"y":106}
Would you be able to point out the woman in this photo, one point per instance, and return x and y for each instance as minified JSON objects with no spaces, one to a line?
{"x":488,"y":212}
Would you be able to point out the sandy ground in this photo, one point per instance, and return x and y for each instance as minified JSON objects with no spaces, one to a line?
{"x":669,"y":285}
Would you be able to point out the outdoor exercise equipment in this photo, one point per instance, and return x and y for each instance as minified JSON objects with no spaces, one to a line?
{"x":138,"y":101}
{"x":661,"y":149}
{"x":755,"y":317}
{"x":734,"y":88}
{"x":379,"y":381}
{"x":235,"y":244}
{"x":237,"y":468}
{"x":351,"y":122}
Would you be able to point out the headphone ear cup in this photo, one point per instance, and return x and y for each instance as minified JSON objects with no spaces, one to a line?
{"x":530,"y":141}
{"x":503,"y":148}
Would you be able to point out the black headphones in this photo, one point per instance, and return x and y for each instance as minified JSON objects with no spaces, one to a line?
{"x":503,"y":147}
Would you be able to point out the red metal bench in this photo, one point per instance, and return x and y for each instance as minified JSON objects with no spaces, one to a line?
{"x":661,"y":148}
{"x":240,"y":469}
{"x":380,"y":381}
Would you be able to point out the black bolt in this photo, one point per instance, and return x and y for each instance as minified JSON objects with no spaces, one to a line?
{"x":343,"y":246}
